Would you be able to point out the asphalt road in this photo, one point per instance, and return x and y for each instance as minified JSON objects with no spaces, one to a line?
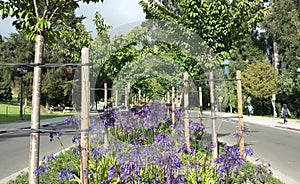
{"x":278,"y":147}
{"x":14,"y":152}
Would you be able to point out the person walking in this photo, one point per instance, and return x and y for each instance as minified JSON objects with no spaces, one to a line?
{"x":250,"y":109}
{"x":285,"y":112}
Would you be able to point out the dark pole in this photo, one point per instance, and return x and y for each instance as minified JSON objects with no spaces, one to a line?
{"x":21,"y":97}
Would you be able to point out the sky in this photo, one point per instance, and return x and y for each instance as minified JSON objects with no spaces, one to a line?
{"x":115,"y":13}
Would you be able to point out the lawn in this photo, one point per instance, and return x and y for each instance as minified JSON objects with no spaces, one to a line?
{"x":11,"y":113}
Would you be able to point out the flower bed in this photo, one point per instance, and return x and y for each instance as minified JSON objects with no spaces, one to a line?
{"x":145,"y":147}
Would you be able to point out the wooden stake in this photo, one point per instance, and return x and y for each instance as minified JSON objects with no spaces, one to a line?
{"x":105,"y":94}
{"x":128,"y":96}
{"x":85,"y":112}
{"x":173,"y":105}
{"x":116,"y":100}
{"x":105,"y":145}
{"x":201,"y":105}
{"x":168,"y":102}
{"x":186,"y":110}
{"x":240,"y":112}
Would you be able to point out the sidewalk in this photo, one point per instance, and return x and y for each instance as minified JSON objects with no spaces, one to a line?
{"x":292,"y":124}
{"x":11,"y":127}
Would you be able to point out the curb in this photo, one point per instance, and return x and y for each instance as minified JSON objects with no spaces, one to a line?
{"x":286,"y":127}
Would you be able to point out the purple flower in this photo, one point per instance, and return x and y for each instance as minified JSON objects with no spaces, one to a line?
{"x":51,"y":136}
{"x":248,"y":152}
{"x":196,"y":127}
{"x":74,"y":139}
{"x":111,"y":172}
{"x":76,"y":151}
{"x":159,"y":137}
{"x":47,"y":159}
{"x":96,"y":152}
{"x":66,"y":174}
{"x":72,"y":120}
{"x":57,"y":134}
{"x":230,"y":161}
{"x":210,"y":146}
{"x":42,"y":169}
{"x":263,"y":170}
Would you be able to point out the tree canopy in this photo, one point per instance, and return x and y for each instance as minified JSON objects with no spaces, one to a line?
{"x":260,"y":80}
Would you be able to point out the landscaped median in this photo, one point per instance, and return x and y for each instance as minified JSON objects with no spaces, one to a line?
{"x":146,"y":147}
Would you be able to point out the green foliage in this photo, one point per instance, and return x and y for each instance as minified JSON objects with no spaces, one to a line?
{"x":260,"y":80}
{"x":5,"y":93}
{"x":249,"y":49}
{"x":255,"y":174}
{"x":39,"y":17}
{"x":101,"y":27}
{"x":219,"y":23}
{"x":134,"y":52}
{"x":5,"y":88}
{"x":16,"y":50}
{"x":283,"y":27}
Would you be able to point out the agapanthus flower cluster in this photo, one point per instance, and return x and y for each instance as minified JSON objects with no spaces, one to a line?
{"x":57,"y":134}
{"x":142,"y":111}
{"x":72,"y":120}
{"x":263,"y":171}
{"x":109,"y":117}
{"x":231,"y":160}
{"x":43,"y":168}
{"x":66,"y":174}
{"x":244,"y":130}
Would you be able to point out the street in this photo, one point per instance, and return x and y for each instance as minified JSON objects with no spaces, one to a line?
{"x":14,"y":153}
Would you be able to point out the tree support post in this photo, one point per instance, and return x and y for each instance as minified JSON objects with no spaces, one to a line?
{"x":85,"y":115}
{"x":240,"y":112}
{"x":105,"y":120}
{"x":186,"y":110}
{"x":173,"y":105}
{"x":201,"y":105}
{"x":116,"y":99}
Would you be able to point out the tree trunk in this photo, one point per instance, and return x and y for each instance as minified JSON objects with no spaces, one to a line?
{"x":213,"y":115}
{"x":275,"y":48}
{"x":35,"y":115}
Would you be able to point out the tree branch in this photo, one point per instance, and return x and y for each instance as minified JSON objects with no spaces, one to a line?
{"x":36,"y":9}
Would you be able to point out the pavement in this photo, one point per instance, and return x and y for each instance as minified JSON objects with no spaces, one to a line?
{"x":21,"y":125}
{"x":292,"y":124}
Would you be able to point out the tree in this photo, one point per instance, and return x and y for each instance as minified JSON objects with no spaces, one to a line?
{"x":17,"y":50}
{"x":282,"y":26}
{"x":260,"y":81}
{"x":219,"y":23}
{"x":5,"y":89}
{"x":38,"y":21}
{"x":141,"y":44}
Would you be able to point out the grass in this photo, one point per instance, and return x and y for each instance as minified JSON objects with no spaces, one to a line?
{"x":11,"y":113}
